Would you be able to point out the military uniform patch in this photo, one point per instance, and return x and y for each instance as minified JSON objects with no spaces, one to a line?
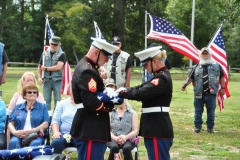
{"x":92,"y":85}
{"x":155,"y":81}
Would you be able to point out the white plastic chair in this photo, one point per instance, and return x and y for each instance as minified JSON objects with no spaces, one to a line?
{"x":134,"y":150}
{"x":68,"y":150}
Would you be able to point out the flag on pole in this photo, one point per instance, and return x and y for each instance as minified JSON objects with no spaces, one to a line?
{"x":164,"y":31}
{"x":98,"y":32}
{"x":217,"y":49}
{"x":49,"y":30}
{"x":67,"y":77}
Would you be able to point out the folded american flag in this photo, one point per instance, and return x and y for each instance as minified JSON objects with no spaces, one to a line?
{"x":105,"y":99}
{"x":26,"y":152}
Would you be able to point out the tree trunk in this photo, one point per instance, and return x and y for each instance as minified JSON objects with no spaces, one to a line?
{"x":119,"y":15}
{"x":74,"y":53}
{"x":2,"y":16}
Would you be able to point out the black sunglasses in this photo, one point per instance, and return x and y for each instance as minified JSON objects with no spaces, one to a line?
{"x":30,"y":92}
{"x":54,"y":44}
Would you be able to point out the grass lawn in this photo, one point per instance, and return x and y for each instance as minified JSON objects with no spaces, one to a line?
{"x":223,"y":144}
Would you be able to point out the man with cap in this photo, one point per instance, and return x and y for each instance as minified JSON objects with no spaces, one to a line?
{"x":3,"y":64}
{"x":91,"y":124}
{"x":155,"y":95}
{"x":53,"y":60}
{"x":119,"y":68}
{"x":206,"y":78}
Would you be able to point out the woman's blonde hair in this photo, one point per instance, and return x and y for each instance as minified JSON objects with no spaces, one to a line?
{"x":22,"y":79}
{"x":161,"y":55}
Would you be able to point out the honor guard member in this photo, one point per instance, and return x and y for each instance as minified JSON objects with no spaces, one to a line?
{"x":155,"y":95}
{"x":91,"y":124}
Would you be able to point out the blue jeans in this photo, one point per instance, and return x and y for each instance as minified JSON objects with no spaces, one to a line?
{"x":158,"y":149}
{"x":60,"y":143}
{"x":48,"y":87}
{"x":90,"y":150}
{"x":210,"y":101}
{"x":16,"y":142}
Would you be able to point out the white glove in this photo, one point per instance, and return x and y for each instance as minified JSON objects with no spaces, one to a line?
{"x":110,"y":92}
{"x":120,"y":89}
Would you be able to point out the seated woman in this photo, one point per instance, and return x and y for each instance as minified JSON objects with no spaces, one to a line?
{"x":62,"y":122}
{"x":124,"y":126}
{"x":27,"y":78}
{"x":27,"y":118}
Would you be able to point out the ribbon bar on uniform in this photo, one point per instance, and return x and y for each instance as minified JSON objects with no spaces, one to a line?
{"x":155,"y":109}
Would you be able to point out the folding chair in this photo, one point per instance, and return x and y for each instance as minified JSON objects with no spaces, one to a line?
{"x":134,"y":150}
{"x":6,"y":121}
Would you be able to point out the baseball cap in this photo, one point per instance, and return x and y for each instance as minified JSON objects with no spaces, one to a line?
{"x":116,"y":40}
{"x":109,"y":81}
{"x":55,"y":40}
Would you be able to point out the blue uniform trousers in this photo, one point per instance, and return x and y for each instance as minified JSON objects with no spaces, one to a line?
{"x":158,"y":149}
{"x":90,"y":150}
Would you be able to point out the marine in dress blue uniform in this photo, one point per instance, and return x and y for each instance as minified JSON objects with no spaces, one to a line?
{"x":91,"y":124}
{"x":155,"y":95}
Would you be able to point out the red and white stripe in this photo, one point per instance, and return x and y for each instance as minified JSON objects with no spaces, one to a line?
{"x":67,"y":77}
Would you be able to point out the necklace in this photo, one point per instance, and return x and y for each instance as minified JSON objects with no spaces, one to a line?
{"x":29,"y":107}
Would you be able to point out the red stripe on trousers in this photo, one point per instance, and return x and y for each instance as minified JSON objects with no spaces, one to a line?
{"x":89,"y":150}
{"x":155,"y":147}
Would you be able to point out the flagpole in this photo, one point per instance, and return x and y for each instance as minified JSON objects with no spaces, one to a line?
{"x":144,"y":79}
{"x":214,"y":34}
{"x":45,"y":33}
{"x":192,"y":27}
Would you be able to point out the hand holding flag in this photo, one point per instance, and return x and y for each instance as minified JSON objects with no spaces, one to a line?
{"x":217,"y":49}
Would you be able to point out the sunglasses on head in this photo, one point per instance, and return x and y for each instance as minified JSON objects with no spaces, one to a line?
{"x":54,"y":44}
{"x":30,"y":92}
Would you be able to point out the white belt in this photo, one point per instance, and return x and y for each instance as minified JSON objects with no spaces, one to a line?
{"x":155,"y":109}
{"x":80,"y":105}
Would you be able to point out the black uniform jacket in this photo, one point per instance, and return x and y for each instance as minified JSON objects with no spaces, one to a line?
{"x":157,"y":92}
{"x":91,"y":122}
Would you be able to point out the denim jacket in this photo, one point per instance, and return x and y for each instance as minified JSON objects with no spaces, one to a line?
{"x":213,"y":77}
{"x":38,"y":115}
{"x":52,"y":61}
{"x":1,"y":56}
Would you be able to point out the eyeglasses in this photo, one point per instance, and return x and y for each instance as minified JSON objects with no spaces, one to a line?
{"x":54,"y":44}
{"x":30,"y":92}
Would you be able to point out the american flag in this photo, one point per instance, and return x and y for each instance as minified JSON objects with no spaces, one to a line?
{"x":163,"y":30}
{"x":67,"y":78}
{"x":98,"y":32}
{"x":26,"y":152}
{"x":217,"y":49}
{"x":49,"y":33}
{"x":49,"y":30}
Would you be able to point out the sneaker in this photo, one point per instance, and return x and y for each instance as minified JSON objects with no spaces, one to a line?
{"x":210,"y":130}
{"x":197,"y":130}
